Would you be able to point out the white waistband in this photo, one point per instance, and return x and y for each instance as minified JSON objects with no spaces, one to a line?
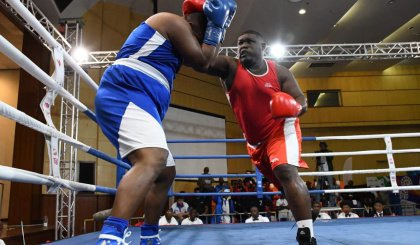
{"x":144,"y":68}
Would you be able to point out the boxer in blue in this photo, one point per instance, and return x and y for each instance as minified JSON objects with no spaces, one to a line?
{"x":133,"y":97}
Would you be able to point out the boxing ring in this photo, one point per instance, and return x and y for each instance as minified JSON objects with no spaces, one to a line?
{"x":347,"y":231}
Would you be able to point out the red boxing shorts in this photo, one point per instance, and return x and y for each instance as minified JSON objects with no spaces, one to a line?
{"x":282,"y":147}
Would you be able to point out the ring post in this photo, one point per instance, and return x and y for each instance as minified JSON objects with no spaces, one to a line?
{"x":259,"y":183}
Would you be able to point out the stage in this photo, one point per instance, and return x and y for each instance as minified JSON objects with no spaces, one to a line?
{"x":387,"y":230}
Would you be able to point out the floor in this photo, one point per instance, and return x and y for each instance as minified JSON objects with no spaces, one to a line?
{"x":387,"y":230}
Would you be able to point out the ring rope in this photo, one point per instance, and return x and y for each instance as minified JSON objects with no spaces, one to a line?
{"x":19,"y":58}
{"x":23,"y":176}
{"x":347,"y":153}
{"x":326,"y":173}
{"x":350,"y":137}
{"x":21,"y":118}
{"x":399,"y":188}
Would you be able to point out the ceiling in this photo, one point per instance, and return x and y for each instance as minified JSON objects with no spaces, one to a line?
{"x":325,"y":22}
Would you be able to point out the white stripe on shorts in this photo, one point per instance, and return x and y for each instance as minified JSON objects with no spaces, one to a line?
{"x":292,"y":144}
{"x":139,"y":129}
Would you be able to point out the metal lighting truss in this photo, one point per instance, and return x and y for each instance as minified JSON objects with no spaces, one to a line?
{"x":303,"y":53}
{"x":69,"y":115}
{"x":30,"y":5}
{"x":69,"y":125}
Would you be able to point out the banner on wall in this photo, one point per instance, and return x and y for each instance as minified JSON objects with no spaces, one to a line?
{"x":411,"y":196}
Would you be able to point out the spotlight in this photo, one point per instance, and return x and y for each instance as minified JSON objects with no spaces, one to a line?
{"x":80,"y":54}
{"x":302,"y":11}
{"x":277,"y":50}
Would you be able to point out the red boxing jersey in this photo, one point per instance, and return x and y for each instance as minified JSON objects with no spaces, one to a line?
{"x":250,"y":98}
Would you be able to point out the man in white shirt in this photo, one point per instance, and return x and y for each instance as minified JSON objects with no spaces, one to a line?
{"x":180,"y":209}
{"x":316,"y":207}
{"x":192,"y":220}
{"x":167,"y":219}
{"x":346,"y":214}
{"x":283,"y":206}
{"x":256,"y":217}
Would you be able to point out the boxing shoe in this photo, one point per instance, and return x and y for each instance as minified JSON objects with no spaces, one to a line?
{"x":150,"y":240}
{"x":113,"y":234}
{"x":304,"y":237}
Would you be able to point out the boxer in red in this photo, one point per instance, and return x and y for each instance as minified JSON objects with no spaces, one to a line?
{"x":267,"y":100}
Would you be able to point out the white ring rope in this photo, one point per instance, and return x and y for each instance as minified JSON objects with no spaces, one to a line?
{"x":23,"y":176}
{"x":354,"y":153}
{"x":20,"y":117}
{"x":34,"y":23}
{"x":367,"y":171}
{"x":399,"y":188}
{"x":14,"y":54}
{"x":370,"y":136}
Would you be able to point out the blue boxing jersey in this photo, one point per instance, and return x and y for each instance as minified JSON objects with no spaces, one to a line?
{"x":147,"y":51}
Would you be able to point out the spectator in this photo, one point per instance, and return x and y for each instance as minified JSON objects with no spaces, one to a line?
{"x":323,"y":164}
{"x":240,"y":202}
{"x":200,"y":204}
{"x":1,"y":231}
{"x":193,"y":219}
{"x":256,"y":217}
{"x":379,"y":210}
{"x":316,"y":207}
{"x":249,"y":180}
{"x":334,"y":197}
{"x":348,"y":195}
{"x":395,"y":201}
{"x":283,"y":207}
{"x":167,"y":219}
{"x":208,"y":181}
{"x":346,"y":214}
{"x":180,"y":209}
{"x":221,"y":186}
{"x":224,"y":206}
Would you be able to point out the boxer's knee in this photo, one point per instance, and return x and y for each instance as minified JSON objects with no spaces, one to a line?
{"x":286,"y":173}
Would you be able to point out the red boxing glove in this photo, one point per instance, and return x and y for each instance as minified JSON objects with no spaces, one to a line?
{"x":192,"y":6}
{"x":283,"y":105}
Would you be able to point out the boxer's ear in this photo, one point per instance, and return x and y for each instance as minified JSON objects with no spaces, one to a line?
{"x":263,"y":46}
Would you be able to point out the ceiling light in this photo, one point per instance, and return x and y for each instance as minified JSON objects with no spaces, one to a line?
{"x":277,"y":50}
{"x":391,"y":1}
{"x":80,"y":54}
{"x":295,"y":1}
{"x":302,"y":11}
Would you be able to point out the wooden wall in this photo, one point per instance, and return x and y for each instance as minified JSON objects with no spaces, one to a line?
{"x":373,"y":102}
{"x":9,"y":84}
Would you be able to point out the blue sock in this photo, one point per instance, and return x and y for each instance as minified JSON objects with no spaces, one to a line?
{"x":149,"y":230}
{"x":117,"y":223}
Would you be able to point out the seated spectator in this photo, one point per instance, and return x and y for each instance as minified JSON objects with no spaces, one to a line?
{"x":256,"y":217}
{"x":193,"y":219}
{"x":378,"y":209}
{"x":224,"y":206}
{"x":200,"y":204}
{"x":316,"y":207}
{"x":346,"y":207}
{"x":180,"y":209}
{"x":167,"y":219}
{"x":283,"y":206}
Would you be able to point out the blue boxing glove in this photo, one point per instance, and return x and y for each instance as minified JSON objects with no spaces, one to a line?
{"x":217,"y":12}
{"x":232,"y":10}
